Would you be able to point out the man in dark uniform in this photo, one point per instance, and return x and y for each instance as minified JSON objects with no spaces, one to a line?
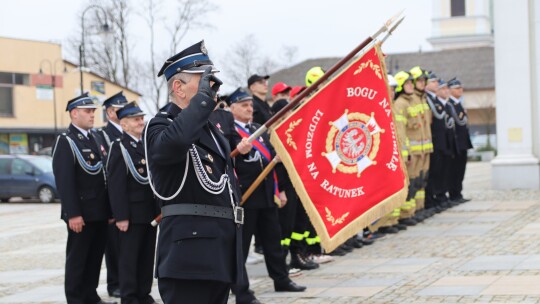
{"x":260,"y":208}
{"x":258,"y":86}
{"x":109,"y":134}
{"x":199,"y":251}
{"x":79,"y":175}
{"x":442,"y":130}
{"x":133,"y":207}
{"x":463,"y":142}
{"x":223,"y":119}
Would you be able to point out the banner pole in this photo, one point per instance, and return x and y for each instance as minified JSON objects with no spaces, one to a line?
{"x":258,"y":181}
{"x":316,"y":84}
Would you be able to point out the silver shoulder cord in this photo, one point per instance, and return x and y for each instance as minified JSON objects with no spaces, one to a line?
{"x":448,"y":121}
{"x":204,"y":180}
{"x":92,"y":170}
{"x":106,"y":136}
{"x":131,"y":167}
{"x":150,"y":175}
{"x":460,"y":122}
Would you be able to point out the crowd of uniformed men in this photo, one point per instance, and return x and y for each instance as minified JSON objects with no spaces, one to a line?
{"x":114,"y":181}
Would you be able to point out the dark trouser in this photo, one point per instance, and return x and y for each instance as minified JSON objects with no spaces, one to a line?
{"x":438,"y":179}
{"x":176,"y":291}
{"x":287,"y":219}
{"x":84,"y":253}
{"x":111,"y":258}
{"x":136,"y":263}
{"x":267,"y":222}
{"x":457,"y":174}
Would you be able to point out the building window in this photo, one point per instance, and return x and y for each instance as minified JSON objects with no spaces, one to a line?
{"x":457,"y":8}
{"x":6,"y":101}
{"x":14,"y":78}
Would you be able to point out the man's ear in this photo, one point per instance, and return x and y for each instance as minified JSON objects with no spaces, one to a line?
{"x":178,"y":88}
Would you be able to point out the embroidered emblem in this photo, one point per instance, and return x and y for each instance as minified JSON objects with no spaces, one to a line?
{"x":353,"y":142}
{"x":80,"y":136}
{"x":133,"y":144}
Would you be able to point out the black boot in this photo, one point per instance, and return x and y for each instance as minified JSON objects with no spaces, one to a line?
{"x":300,"y":262}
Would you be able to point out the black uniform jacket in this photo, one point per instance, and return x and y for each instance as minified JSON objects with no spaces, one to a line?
{"x":193,"y":247}
{"x":442,"y":137}
{"x":248,"y":168}
{"x":463,"y":138}
{"x":224,"y":121}
{"x":261,"y":111}
{"x":82,"y":194}
{"x":130,"y":200}
{"x":108,"y":134}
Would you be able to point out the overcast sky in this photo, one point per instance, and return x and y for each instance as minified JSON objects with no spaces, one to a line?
{"x":318,"y":28}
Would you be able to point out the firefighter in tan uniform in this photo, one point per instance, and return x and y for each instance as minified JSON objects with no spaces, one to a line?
{"x":390,"y":222}
{"x":424,"y":112}
{"x":409,"y":123}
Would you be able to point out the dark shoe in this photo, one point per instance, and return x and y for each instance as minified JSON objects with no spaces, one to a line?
{"x":368,"y":241}
{"x":258,"y":249}
{"x":353,"y":242}
{"x":115,"y":293}
{"x":346,"y":247}
{"x":338,"y":252}
{"x":105,"y":302}
{"x":255,"y":301}
{"x":418,"y":218}
{"x":288,"y":286}
{"x":300,"y":262}
{"x":400,"y":227}
{"x":408,"y":222}
{"x":390,"y":230}
{"x":464,"y":200}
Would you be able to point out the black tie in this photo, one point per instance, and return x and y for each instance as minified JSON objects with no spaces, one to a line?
{"x":248,"y":127}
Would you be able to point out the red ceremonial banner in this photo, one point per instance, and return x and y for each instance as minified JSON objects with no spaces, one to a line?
{"x":341,"y":151}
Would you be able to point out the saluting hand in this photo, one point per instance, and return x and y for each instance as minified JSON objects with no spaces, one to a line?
{"x":76,"y":224}
{"x":209,"y":84}
{"x":123,"y":225}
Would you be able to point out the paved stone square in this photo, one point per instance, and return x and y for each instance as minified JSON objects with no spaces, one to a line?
{"x":483,"y":251}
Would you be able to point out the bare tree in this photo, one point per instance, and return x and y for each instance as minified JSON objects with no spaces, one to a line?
{"x":109,"y":55}
{"x":190,"y":16}
{"x":245,"y":59}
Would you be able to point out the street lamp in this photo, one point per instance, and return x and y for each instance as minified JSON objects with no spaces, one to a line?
{"x":104,"y":29}
{"x":52,"y":68}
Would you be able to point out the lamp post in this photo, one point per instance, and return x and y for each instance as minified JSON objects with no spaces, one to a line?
{"x":52,"y":68}
{"x":104,"y":28}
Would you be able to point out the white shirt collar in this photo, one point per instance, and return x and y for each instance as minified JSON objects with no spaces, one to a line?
{"x":443,"y":101}
{"x":242,"y":124}
{"x":84,"y":132}
{"x":457,"y":100}
{"x":135,"y":139}
{"x":117,"y":126}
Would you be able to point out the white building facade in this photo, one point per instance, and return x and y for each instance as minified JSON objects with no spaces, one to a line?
{"x":517,"y":67}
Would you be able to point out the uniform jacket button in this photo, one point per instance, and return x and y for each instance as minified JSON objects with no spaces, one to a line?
{"x":194,"y":232}
{"x":203,"y":104}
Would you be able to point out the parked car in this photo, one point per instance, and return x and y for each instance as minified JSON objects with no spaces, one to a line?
{"x":27,"y":176}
